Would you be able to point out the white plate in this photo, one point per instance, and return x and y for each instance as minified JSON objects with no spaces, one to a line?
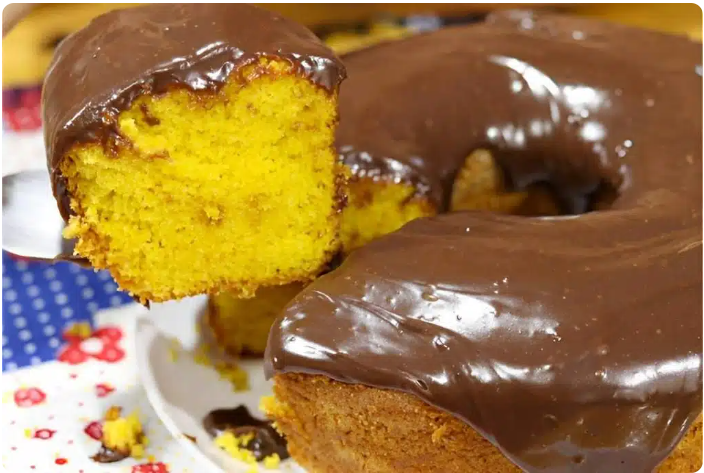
{"x":182,"y":392}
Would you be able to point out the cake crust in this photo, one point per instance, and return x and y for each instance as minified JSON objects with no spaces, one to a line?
{"x":334,"y":427}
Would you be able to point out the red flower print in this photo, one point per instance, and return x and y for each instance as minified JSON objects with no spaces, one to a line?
{"x":22,"y":109}
{"x":83,"y":344}
{"x":150,"y":468}
{"x":103,"y":389}
{"x":43,"y":434}
{"x":94,"y":430}
{"x":28,"y":397}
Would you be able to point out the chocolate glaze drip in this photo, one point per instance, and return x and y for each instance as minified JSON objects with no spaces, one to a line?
{"x":266,"y":440}
{"x":108,"y":455}
{"x":571,"y":343}
{"x":99,"y":71}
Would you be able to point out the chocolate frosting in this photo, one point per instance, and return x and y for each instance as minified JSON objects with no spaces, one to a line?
{"x":99,"y":71}
{"x":265,"y":441}
{"x":572,"y":343}
{"x":108,"y":455}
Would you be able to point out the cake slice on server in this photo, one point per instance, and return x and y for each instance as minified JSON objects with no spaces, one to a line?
{"x":191,"y":148}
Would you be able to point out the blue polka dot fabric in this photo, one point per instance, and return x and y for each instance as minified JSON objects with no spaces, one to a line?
{"x":39,"y":300}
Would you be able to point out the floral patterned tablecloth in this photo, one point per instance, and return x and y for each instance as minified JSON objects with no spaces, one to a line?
{"x":66,"y":348}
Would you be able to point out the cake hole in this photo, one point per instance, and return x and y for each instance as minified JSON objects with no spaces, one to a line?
{"x":522,"y":185}
{"x":578,"y":459}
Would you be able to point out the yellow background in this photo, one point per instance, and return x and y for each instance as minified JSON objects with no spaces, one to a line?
{"x":27,"y":50}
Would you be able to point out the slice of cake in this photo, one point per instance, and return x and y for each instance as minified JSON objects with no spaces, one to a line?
{"x":191,"y":148}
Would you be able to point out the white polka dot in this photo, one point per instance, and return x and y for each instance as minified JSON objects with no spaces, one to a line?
{"x":20,"y":322}
{"x":15,"y":309}
{"x":49,"y":330}
{"x":115,"y":301}
{"x":66,"y":312}
{"x":43,"y":317}
{"x":30,"y":348}
{"x":6,"y":282}
{"x":27,"y":278}
{"x":21,"y":265}
{"x":110,"y":287}
{"x":92,"y":307}
{"x":74,"y":268}
{"x":50,"y":273}
{"x":32,"y":291}
{"x":9,"y":295}
{"x":81,"y":279}
{"x":55,"y":286}
{"x":10,"y":366}
{"x":103,"y":275}
{"x":4,"y":340}
{"x":92,"y":346}
{"x":25,"y":335}
{"x":35,"y":360}
{"x":6,"y":353}
{"x":87,"y":293}
{"x":53,"y":342}
{"x":38,"y":304}
{"x":61,"y":298}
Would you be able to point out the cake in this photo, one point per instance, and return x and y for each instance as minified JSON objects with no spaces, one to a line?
{"x":476,"y":341}
{"x":378,"y":203}
{"x":383,"y":195}
{"x":191,"y":148}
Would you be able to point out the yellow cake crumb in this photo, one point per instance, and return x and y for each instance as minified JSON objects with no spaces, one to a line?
{"x":272,"y":461}
{"x":174,"y":348}
{"x":267,"y":403}
{"x":234,"y":446}
{"x":234,"y":374}
{"x":81,"y":330}
{"x":201,"y":355}
{"x":124,"y":434}
{"x":233,"y":190}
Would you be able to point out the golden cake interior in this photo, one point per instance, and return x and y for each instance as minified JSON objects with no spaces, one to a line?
{"x":241,"y":326}
{"x":375,"y":208}
{"x":332,"y":427}
{"x":230,"y":190}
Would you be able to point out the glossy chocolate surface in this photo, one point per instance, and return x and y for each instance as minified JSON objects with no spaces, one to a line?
{"x":102,"y":69}
{"x":571,"y":343}
{"x":108,"y":455}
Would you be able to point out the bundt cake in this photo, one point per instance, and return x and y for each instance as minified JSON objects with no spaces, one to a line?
{"x":191,"y":148}
{"x":378,"y":203}
{"x":383,"y":195}
{"x":475,"y":342}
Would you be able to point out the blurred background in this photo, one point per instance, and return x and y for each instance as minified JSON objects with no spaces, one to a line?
{"x":27,"y":49}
